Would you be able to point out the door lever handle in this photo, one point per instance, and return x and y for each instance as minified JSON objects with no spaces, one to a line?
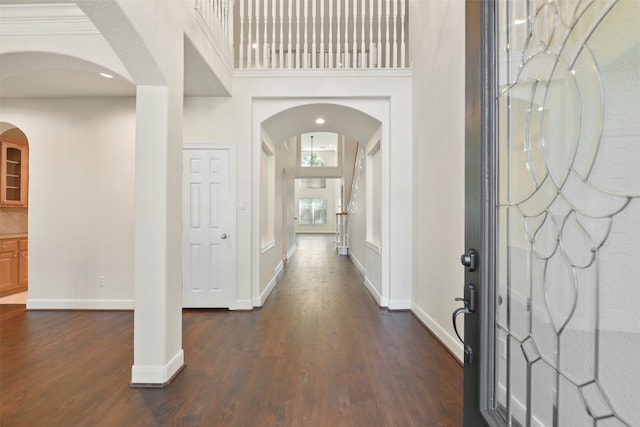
{"x":468,"y":351}
{"x":459,"y":311}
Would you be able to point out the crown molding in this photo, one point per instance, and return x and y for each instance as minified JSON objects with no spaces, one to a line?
{"x":44,"y":20}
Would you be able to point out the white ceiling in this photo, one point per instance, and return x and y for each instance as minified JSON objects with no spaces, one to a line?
{"x":43,"y":75}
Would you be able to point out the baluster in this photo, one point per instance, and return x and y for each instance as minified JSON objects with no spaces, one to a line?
{"x":330,"y":47}
{"x":379,"y":44}
{"x":313,"y":35}
{"x":347,"y":63}
{"x":265,"y":44}
{"x":363,"y":57}
{"x":274,"y":59}
{"x":354,"y":56}
{"x":372,"y":49}
{"x":241,"y":45}
{"x":403,"y":47}
{"x":289,"y":55}
{"x":338,"y":14}
{"x":281,"y":45}
{"x":229,"y":19}
{"x":298,"y":16}
{"x":321,"y":55}
{"x":256,"y":45}
{"x":250,"y":35}
{"x":387,"y":44}
{"x":305,"y":61}
{"x":395,"y":33}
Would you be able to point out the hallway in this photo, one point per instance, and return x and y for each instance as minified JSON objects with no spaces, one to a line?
{"x":319,"y":353}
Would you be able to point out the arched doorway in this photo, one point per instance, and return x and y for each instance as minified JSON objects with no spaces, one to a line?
{"x":284,"y":127}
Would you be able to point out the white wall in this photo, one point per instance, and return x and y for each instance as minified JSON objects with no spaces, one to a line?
{"x":437,"y":50}
{"x":357,"y":209}
{"x":81,"y":199}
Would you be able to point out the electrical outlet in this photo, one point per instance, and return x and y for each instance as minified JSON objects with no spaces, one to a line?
{"x":101,"y":281}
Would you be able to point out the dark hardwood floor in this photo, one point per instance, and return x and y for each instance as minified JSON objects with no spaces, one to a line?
{"x":319,"y":353}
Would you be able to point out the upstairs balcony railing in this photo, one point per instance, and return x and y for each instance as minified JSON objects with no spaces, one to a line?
{"x":316,"y":34}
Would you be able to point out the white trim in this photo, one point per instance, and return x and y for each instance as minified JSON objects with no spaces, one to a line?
{"x":259,"y":302}
{"x":78,"y":304}
{"x":375,"y":247}
{"x":158,"y":374}
{"x":358,"y":265}
{"x":451,"y":342}
{"x":279,"y":268}
{"x":292,"y":250}
{"x":266,"y":246}
{"x":44,"y":20}
{"x":380,"y":300}
{"x":242,"y":304}
{"x":323,"y":73}
{"x":399,"y":304}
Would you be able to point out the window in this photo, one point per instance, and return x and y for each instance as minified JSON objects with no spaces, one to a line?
{"x":313,"y":211}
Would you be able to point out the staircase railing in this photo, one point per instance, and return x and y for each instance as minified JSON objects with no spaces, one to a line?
{"x":216,"y":17}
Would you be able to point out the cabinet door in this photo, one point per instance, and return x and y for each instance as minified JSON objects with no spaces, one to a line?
{"x":14,"y":176}
{"x":23,"y":270}
{"x":8,"y":273}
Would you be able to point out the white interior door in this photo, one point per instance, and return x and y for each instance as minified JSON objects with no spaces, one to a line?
{"x":206,"y":228}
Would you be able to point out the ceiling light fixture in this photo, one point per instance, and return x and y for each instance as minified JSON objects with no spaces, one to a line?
{"x":319,"y":121}
{"x":108,"y":76}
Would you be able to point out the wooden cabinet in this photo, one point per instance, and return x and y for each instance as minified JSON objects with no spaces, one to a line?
{"x":14,"y":173}
{"x":13,"y":266}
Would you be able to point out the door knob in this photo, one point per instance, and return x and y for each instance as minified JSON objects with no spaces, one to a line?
{"x":224,"y":236}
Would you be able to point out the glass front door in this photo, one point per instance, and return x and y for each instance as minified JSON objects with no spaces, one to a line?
{"x":560,"y":342}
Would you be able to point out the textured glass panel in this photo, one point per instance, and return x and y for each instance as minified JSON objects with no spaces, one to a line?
{"x":543,"y":397}
{"x":568,"y":330}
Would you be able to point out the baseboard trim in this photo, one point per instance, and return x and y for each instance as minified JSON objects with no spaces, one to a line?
{"x":157,"y":376}
{"x":382,"y":302}
{"x":78,"y":304}
{"x":259,"y":302}
{"x":452,"y":345}
{"x":399,"y":304}
{"x":291,"y":250}
{"x":243,"y":305}
{"x":358,"y":265}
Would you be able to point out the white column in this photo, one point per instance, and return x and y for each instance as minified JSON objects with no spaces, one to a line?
{"x":157,"y":340}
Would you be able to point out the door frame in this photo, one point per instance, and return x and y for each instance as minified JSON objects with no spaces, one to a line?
{"x":232,"y":292}
{"x":480,"y":201}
